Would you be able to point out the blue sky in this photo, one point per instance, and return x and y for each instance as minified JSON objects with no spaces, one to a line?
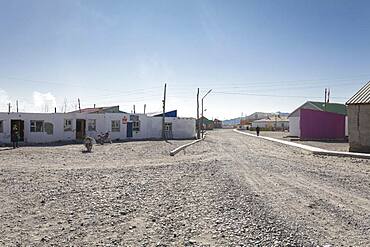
{"x":255,"y":55}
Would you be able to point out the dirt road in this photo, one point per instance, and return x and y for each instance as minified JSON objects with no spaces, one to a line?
{"x":328,"y":196}
{"x":229,"y":190}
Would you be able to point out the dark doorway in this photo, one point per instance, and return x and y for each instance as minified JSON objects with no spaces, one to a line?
{"x":129,"y":129}
{"x":20,"y":127}
{"x":80,"y":129}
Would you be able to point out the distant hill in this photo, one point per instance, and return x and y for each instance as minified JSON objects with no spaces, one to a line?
{"x":254,"y":116}
{"x":233,"y":121}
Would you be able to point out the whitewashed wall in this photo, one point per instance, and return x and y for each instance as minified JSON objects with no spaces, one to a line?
{"x":294,"y":126}
{"x":182,"y":128}
{"x":271,"y":124}
{"x":260,"y":124}
{"x":150,"y":127}
{"x":5,"y":135}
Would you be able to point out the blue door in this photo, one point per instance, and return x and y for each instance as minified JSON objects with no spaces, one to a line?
{"x":129,"y":129}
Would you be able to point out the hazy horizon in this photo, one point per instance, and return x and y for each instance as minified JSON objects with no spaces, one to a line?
{"x":264,"y":56}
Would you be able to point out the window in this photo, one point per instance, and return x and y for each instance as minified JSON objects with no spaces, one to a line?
{"x":67,"y":124}
{"x":49,"y":128}
{"x":168,"y":127}
{"x":37,"y":126}
{"x":1,"y":126}
{"x":116,"y":125}
{"x":135,"y":122}
{"x":91,"y":124}
{"x":168,"y":130}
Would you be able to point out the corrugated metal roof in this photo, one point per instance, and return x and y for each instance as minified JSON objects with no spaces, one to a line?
{"x":321,"y":106}
{"x":167,"y":114}
{"x":104,"y":109}
{"x":331,"y":107}
{"x":361,"y":97}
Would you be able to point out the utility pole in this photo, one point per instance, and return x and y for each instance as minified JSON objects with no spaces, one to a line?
{"x":17,"y":105}
{"x":134,"y":110}
{"x":9,"y":106}
{"x":198,"y":120}
{"x":144,"y":108}
{"x":79,"y":105}
{"x":202,"y":120}
{"x":164,"y":113}
{"x":326,"y":92}
{"x":65,"y":104}
{"x":203,"y":111}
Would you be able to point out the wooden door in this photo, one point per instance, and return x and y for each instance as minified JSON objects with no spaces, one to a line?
{"x":19,"y":124}
{"x":80,"y":128}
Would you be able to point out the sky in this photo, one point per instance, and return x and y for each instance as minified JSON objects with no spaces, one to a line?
{"x":255,"y":55}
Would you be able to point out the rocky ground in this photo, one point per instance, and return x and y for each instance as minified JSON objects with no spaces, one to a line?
{"x":229,"y":190}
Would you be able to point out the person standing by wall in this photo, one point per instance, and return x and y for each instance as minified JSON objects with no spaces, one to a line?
{"x":15,"y":137}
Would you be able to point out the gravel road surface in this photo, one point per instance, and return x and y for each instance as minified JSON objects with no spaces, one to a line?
{"x":340,"y":146}
{"x":229,"y":190}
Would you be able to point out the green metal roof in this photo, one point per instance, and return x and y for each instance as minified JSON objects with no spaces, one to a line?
{"x":331,"y":107}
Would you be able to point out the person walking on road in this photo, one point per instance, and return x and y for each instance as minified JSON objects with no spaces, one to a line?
{"x":15,"y":137}
{"x":258,"y":131}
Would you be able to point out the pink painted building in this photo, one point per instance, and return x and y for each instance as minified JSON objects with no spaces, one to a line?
{"x":319,"y":125}
{"x":319,"y":121}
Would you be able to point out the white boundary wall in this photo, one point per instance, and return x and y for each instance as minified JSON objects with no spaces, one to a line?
{"x":150,"y":127}
{"x":294,"y":126}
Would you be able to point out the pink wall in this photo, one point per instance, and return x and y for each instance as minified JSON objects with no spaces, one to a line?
{"x":321,"y":125}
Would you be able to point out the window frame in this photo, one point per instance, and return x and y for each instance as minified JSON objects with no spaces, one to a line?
{"x":34,"y":126}
{"x":135,"y":122}
{"x":89,"y":124}
{"x":1,"y":126}
{"x":116,"y":128}
{"x":168,"y":126}
{"x":68,"y":127}
{"x":49,"y":128}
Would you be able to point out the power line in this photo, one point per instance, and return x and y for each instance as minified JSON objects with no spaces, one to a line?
{"x":271,"y":95}
{"x":268,"y":83}
{"x":245,"y":83}
{"x":72,"y":84}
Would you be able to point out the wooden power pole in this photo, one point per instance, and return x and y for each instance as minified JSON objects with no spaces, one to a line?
{"x":203,"y":111}
{"x":164,"y":113}
{"x":198,"y":120}
{"x":326,"y":93}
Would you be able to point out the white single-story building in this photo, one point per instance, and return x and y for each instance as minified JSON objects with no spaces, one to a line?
{"x":59,"y":127}
{"x":271,"y":124}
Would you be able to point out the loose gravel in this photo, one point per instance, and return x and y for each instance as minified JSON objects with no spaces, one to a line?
{"x":229,"y":190}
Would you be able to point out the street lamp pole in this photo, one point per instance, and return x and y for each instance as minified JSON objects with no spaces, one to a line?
{"x":203,"y":111}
